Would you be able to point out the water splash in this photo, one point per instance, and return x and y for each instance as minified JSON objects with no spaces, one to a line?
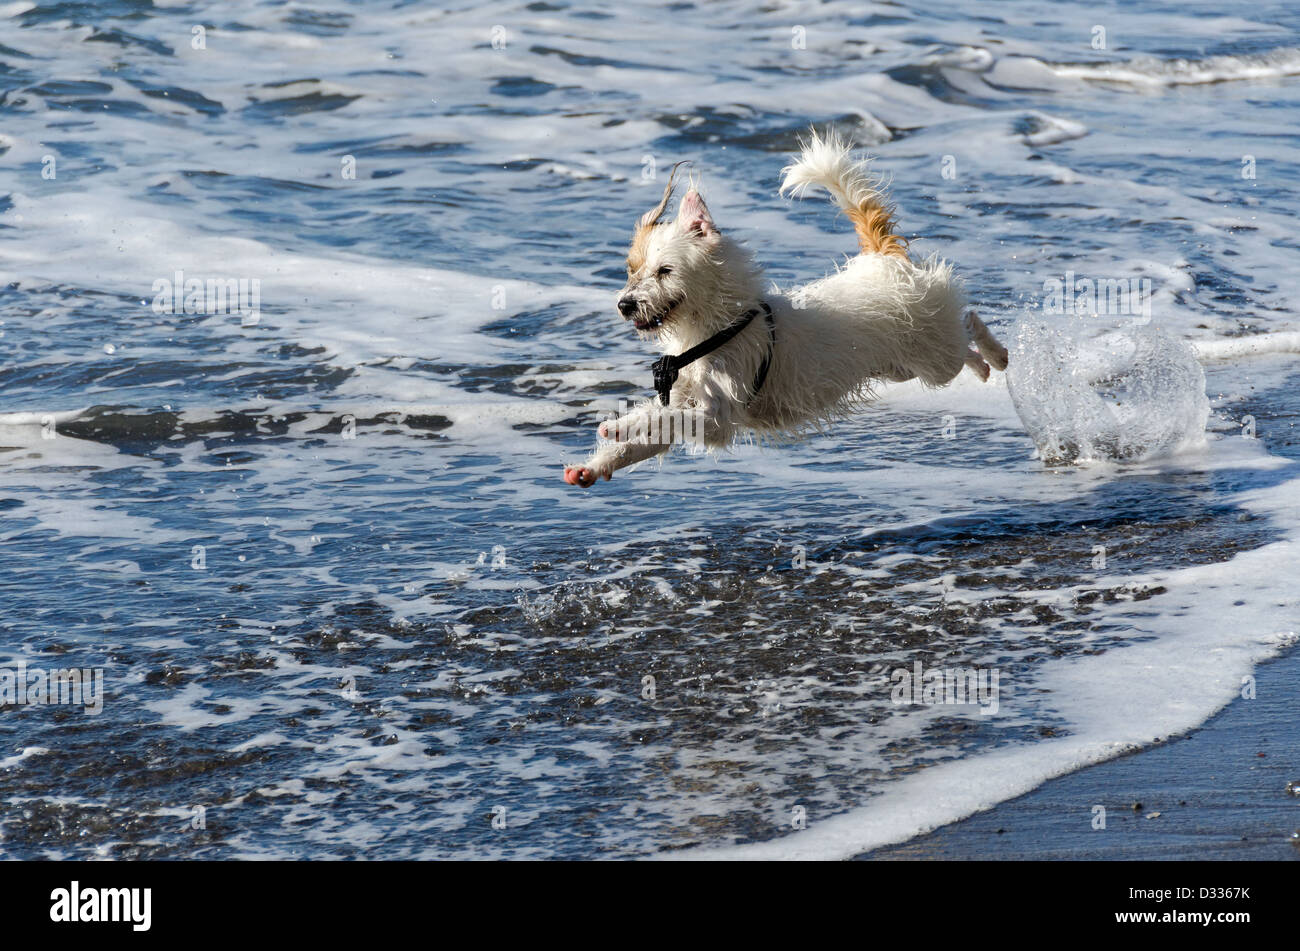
{"x":1134,"y":393}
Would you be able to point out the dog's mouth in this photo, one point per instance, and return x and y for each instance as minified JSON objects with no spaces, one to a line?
{"x":655,"y":321}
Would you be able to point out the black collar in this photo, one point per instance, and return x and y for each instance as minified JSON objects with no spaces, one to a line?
{"x":666,"y":368}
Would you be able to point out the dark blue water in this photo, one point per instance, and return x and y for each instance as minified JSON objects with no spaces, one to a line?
{"x":340,"y":597}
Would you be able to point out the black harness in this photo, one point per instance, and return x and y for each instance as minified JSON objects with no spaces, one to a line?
{"x":667,"y":367}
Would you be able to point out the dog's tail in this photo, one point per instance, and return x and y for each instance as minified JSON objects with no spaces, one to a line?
{"x":826,"y":161}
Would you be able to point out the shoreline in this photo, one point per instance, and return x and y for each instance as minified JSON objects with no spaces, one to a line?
{"x":1217,"y":793}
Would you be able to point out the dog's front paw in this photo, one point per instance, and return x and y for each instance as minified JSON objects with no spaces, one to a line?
{"x":584,"y":476}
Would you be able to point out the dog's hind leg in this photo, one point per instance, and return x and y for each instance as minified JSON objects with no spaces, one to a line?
{"x":986,"y":343}
{"x":976,"y":363}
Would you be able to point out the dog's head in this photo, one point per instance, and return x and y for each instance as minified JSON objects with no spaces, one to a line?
{"x":670,"y":263}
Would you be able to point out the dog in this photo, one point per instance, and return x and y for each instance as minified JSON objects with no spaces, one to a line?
{"x":739,"y":358}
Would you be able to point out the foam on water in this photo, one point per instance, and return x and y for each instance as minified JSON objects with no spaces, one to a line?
{"x":1179,"y":673}
{"x":1150,"y":71}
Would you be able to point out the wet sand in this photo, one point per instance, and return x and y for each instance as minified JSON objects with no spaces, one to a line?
{"x":1221,"y":793}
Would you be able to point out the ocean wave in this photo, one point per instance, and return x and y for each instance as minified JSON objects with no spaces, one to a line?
{"x":1153,"y":71}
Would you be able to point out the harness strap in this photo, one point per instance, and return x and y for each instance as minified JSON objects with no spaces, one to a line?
{"x":667,"y":367}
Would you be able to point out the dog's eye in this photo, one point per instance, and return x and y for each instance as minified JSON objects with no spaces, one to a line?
{"x":664,"y":271}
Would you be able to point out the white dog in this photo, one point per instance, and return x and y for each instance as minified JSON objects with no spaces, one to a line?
{"x":739,"y":357}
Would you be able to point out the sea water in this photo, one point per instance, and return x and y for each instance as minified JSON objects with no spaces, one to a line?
{"x":318,"y":544}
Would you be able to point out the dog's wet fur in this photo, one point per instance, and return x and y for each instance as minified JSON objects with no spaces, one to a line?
{"x":882,"y":316}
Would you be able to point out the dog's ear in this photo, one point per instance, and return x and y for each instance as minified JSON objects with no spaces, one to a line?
{"x":693,"y":217}
{"x":651,"y":217}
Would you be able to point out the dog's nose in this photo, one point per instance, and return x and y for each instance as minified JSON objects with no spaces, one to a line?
{"x":627,"y":306}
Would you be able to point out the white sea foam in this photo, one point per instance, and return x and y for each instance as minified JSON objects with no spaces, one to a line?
{"x":1114,"y":703}
{"x":1152,"y":71}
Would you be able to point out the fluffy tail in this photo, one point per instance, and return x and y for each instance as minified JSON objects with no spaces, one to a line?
{"x":827,"y":162}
